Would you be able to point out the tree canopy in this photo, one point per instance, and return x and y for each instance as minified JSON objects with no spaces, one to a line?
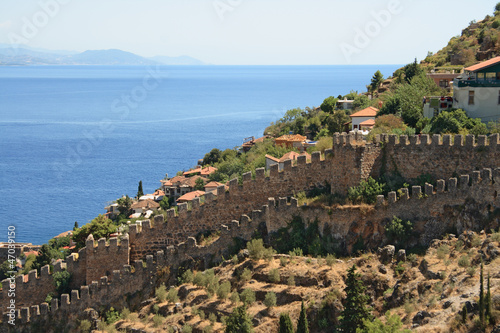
{"x":356,"y":308}
{"x":99,"y":227}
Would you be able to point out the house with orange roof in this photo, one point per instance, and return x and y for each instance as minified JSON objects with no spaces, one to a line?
{"x":291,"y":141}
{"x":190,"y":196}
{"x":477,"y":90}
{"x":364,"y":119}
{"x":141,"y":207}
{"x":179,"y":185}
{"x":204,"y":172}
{"x":248,"y":143}
{"x":212,"y":187}
{"x":292,"y":155}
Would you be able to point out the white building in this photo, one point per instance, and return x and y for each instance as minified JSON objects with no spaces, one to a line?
{"x":364,"y":119}
{"x":477,"y":90}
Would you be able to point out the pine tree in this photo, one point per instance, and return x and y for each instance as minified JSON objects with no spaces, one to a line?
{"x":286,"y":325}
{"x":355,"y":304}
{"x":464,"y":314}
{"x":302,"y":325}
{"x":140,"y":192}
{"x":376,"y":81}
{"x":481,"y":296}
{"x":239,"y":321}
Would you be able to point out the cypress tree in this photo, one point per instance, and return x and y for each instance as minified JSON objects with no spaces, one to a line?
{"x":140,"y":193}
{"x":464,"y":314}
{"x":302,"y":325}
{"x":285,"y":324}
{"x":355,"y":304}
{"x":481,"y":296}
{"x":75,"y":226}
{"x":487,"y":303}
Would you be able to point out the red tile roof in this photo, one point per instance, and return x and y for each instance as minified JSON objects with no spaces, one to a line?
{"x":158,"y":193}
{"x":202,"y":171}
{"x":190,"y":196}
{"x":145,"y":204}
{"x":292,"y":138}
{"x":483,"y":65}
{"x":272,"y":158}
{"x":213,"y":185}
{"x":368,"y":112}
{"x":369,"y":122}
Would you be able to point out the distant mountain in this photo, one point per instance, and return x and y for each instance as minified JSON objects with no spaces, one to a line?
{"x":108,"y":57}
{"x":181,"y":60}
{"x":23,"y":55}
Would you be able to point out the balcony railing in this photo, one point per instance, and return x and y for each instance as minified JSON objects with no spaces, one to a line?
{"x":476,"y":83}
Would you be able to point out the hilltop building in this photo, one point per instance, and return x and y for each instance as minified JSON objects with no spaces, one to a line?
{"x":477,"y":90}
{"x":364,"y":119}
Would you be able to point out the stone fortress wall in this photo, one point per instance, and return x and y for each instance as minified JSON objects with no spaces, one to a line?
{"x":103,"y":276}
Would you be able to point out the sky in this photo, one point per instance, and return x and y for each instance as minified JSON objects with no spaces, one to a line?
{"x":245,"y":32}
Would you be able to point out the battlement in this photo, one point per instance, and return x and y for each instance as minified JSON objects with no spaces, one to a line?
{"x":206,"y":213}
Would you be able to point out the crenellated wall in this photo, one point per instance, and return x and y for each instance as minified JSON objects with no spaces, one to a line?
{"x":227,"y":205}
{"x":432,"y":211}
{"x":103,"y":277}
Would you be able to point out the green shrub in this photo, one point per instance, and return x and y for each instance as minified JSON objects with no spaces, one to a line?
{"x":476,"y":241}
{"x":112,"y":316}
{"x":412,"y":257}
{"x":247,"y":296}
{"x":212,"y":317}
{"x":270,"y":300}
{"x":187,"y":329}
{"x":291,"y":281}
{"x":158,"y":320}
{"x":224,"y":290}
{"x":283,"y":261}
{"x":400,"y":268}
{"x":442,"y":251}
{"x":399,"y":231}
{"x":235,"y":260}
{"x":274,"y":275}
{"x":125,"y":313}
{"x":187,"y":276}
{"x":161,"y":293}
{"x":471,"y":271}
{"x":256,"y":249}
{"x":330,"y":260}
{"x":156,"y":308}
{"x":246,"y":275}
{"x":85,"y":326}
{"x":495,"y":237}
{"x":464,"y":261}
{"x":297,"y":252}
{"x":202,"y":315}
{"x":235,"y":298}
{"x":172,"y":295}
{"x":61,"y":281}
{"x":366,"y":192}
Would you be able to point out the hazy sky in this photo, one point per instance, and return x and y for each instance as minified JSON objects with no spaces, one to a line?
{"x":273,"y":32}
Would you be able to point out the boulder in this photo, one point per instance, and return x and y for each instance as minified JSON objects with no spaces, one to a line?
{"x":420,"y":316}
{"x":401,"y":256}
{"x":386,"y":254}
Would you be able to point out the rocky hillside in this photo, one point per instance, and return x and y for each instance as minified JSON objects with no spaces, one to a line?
{"x":479,"y":41}
{"x":428,"y":292}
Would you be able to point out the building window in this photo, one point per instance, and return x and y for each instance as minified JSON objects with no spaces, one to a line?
{"x":471,"y":97}
{"x":490,"y":76}
{"x":480,"y":76}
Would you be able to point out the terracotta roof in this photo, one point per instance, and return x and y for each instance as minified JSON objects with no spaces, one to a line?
{"x":27,"y":253}
{"x":173,"y":181}
{"x":190,"y":196}
{"x":483,"y":65}
{"x":293,"y":156}
{"x":272,"y":158}
{"x":213,"y":184}
{"x":369,"y":122}
{"x":368,"y":112}
{"x":292,"y":138}
{"x":145,"y":204}
{"x":202,"y":171}
{"x":158,"y":193}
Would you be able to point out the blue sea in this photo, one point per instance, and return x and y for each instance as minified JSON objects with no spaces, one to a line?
{"x":73,"y":138}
